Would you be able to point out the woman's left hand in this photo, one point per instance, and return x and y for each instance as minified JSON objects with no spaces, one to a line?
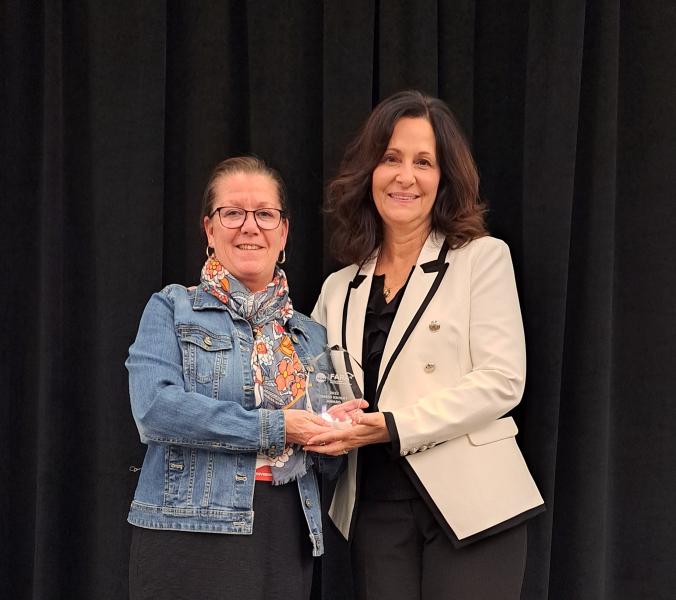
{"x":370,"y":428}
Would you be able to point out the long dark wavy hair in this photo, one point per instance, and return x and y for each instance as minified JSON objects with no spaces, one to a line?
{"x":458,"y":213}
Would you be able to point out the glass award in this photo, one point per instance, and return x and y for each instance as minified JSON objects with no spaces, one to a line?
{"x":334,"y":378}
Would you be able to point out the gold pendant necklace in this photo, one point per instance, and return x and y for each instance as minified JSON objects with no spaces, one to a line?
{"x":395,"y":284}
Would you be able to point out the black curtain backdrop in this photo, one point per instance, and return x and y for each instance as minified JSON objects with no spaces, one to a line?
{"x":113,"y":114}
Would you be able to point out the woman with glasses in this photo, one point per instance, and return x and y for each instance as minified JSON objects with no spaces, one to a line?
{"x":217,"y":379}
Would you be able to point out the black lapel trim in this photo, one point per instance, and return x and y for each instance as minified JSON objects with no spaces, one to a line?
{"x":458,"y":543}
{"x":439,"y":265}
{"x":353,"y":285}
{"x":435,"y":265}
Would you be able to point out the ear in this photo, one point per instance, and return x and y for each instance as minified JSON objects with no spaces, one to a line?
{"x":285,"y":233}
{"x":209,"y":230}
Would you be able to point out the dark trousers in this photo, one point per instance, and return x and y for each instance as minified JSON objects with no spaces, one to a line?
{"x":400,"y":552}
{"x":274,"y":563}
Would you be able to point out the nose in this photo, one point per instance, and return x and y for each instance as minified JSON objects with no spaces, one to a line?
{"x":249,"y":225}
{"x":405,"y":174}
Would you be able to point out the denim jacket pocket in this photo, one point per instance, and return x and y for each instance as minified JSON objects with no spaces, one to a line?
{"x":179,"y":475}
{"x":205,"y":355}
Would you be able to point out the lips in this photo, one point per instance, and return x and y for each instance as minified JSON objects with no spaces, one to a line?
{"x":403,"y":196}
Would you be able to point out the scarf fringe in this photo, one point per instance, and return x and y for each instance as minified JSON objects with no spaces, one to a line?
{"x":300,"y":471}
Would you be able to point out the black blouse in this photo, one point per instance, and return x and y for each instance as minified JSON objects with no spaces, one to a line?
{"x":382,"y":476}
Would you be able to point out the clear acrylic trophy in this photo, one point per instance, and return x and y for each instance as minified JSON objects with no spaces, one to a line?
{"x":334,"y":377}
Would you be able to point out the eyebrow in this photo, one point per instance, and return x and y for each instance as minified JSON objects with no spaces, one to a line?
{"x":279,"y":208}
{"x":394,"y":149}
{"x":242,"y":198}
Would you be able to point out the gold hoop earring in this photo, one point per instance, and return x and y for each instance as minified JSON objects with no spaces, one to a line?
{"x":282,"y":257}
{"x":210,"y":254}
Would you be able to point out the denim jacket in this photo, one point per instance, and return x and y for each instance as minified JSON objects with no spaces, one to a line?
{"x":192,"y":397}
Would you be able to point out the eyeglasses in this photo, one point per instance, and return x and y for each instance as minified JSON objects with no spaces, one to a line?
{"x":233,"y":217}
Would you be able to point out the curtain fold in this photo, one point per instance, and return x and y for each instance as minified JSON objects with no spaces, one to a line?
{"x":114,"y":115}
{"x":580,"y":541}
{"x":552,"y":106}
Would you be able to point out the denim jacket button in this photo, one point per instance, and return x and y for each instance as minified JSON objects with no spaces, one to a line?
{"x":294,"y":338}
{"x":207,"y":340}
{"x":308,"y":502}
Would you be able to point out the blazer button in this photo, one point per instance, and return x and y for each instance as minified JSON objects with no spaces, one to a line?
{"x":434,"y":325}
{"x":429,"y":367}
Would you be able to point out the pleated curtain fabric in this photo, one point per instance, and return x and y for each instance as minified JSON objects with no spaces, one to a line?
{"x":113,"y":115}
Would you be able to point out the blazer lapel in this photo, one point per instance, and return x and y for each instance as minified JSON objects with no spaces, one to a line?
{"x":354,"y":310}
{"x":424,"y":280}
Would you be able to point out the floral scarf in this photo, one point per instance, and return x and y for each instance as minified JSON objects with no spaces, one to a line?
{"x":279,"y":376}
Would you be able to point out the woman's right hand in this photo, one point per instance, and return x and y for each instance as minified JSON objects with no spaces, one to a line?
{"x":301,"y":425}
{"x":349,"y":411}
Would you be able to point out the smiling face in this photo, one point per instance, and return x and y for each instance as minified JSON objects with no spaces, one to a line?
{"x":248,"y":253}
{"x":404,"y":184}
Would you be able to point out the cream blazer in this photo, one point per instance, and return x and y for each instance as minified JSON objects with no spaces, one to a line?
{"x":453,"y":364}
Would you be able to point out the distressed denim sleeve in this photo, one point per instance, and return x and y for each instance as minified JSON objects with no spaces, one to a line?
{"x":165,"y":413}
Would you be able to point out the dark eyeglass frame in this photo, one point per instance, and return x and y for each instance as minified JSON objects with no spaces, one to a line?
{"x":282,"y":215}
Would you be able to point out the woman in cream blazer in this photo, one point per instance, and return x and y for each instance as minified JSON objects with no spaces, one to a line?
{"x":449,"y":365}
